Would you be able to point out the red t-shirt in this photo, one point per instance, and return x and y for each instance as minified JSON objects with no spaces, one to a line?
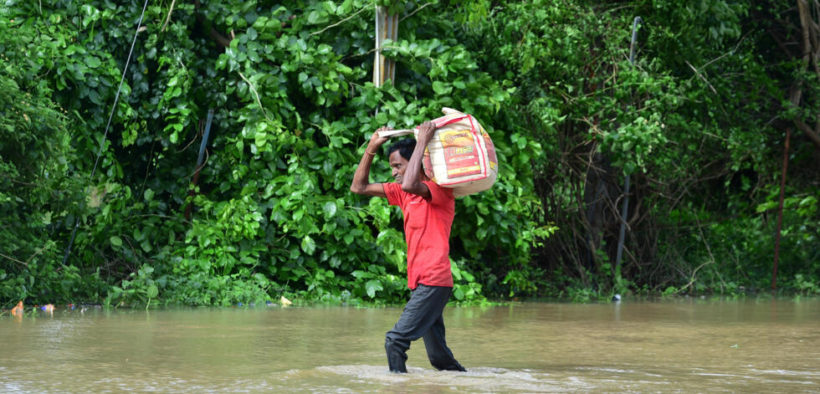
{"x":427,"y":232}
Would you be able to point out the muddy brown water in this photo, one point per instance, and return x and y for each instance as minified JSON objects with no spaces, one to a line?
{"x":688,"y":345}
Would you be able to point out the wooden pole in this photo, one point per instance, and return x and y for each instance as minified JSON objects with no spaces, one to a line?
{"x":625,"y":204}
{"x":377,"y":68}
{"x":387,"y":27}
{"x":780,"y":210}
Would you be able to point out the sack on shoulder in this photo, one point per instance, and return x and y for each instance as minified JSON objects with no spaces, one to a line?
{"x":460,"y":155}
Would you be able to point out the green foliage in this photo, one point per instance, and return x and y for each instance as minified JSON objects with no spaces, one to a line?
{"x":38,"y":194}
{"x":269,"y":213}
{"x":465,"y":287}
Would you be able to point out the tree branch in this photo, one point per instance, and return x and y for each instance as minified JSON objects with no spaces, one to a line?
{"x":215,"y":35}
{"x":809,"y":58}
{"x":414,"y":12}
{"x":14,"y":260}
{"x":813,"y":135}
{"x":339,"y":22}
{"x":168,"y":17}
{"x":255,"y":94}
{"x":712,"y":88}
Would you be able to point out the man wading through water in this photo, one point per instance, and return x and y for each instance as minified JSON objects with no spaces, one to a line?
{"x":428,"y":215}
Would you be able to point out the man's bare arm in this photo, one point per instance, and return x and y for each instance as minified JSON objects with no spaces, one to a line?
{"x":412,"y":181}
{"x":361,"y":178}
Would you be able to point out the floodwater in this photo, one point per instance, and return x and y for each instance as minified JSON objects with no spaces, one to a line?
{"x":688,"y":345}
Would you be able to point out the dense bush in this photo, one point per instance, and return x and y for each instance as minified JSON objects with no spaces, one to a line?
{"x":269,"y":211}
{"x":698,"y":123}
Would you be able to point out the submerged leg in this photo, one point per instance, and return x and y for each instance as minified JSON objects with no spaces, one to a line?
{"x":421,"y":312}
{"x":437,"y":351}
{"x":396,"y":354}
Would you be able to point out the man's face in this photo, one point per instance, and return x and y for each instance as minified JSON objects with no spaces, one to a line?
{"x":398,"y":165}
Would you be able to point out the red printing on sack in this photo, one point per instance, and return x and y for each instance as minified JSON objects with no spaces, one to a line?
{"x":460,"y":157}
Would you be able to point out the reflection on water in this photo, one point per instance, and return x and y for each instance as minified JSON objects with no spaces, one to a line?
{"x":684,"y":345}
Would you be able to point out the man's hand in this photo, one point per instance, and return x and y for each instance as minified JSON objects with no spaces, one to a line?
{"x":376,"y":140}
{"x":361,"y":178}
{"x":426,"y":132}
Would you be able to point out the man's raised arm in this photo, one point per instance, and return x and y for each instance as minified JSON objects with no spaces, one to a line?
{"x":361,"y":178}
{"x":415,"y":174}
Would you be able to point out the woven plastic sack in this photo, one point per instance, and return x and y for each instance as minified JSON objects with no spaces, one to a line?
{"x":460,"y":155}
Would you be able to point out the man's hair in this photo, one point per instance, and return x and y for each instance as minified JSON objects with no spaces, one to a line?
{"x":405,"y":148}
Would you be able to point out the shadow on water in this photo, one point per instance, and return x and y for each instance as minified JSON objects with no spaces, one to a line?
{"x":695,"y":345}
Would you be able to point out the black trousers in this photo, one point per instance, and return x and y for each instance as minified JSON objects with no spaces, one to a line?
{"x":422,"y":318}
